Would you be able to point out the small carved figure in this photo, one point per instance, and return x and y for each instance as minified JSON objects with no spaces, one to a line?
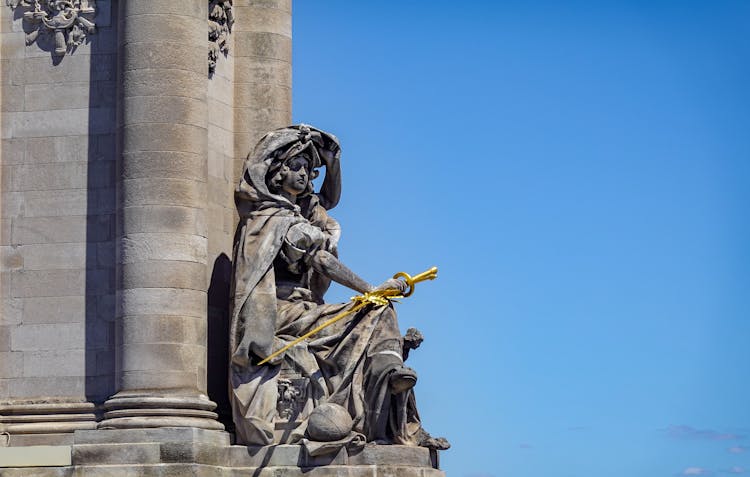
{"x":285,"y":256}
{"x":412,"y":339}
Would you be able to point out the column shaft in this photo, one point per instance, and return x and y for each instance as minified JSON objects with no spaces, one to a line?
{"x":263,"y":72}
{"x":161,"y":233}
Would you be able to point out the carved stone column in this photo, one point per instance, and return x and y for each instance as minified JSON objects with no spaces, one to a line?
{"x":161,"y":228}
{"x":263,"y":72}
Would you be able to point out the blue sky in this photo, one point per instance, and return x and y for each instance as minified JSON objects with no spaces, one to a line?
{"x":580,"y":172}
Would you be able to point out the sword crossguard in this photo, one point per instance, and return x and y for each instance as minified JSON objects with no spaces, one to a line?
{"x":430,"y":274}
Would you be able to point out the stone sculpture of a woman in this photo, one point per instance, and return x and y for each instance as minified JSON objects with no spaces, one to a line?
{"x":284,"y":259}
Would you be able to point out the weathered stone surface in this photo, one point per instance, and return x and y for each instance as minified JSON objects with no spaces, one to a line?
{"x":30,"y":387}
{"x":155,"y":82}
{"x":161,"y":356}
{"x":5,"y":337}
{"x":264,"y":44}
{"x":48,"y":439}
{"x":164,"y":164}
{"x":265,"y":96}
{"x":52,"y":363}
{"x":11,"y":257}
{"x":45,"y":150}
{"x":171,"y":109}
{"x":163,"y":329}
{"x":145,"y":247}
{"x":107,"y":454}
{"x":172,"y":434}
{"x":167,"y":8}
{"x":72,"y":175}
{"x":68,"y":202}
{"x":45,"y":283}
{"x":267,"y":18}
{"x":75,"y":69}
{"x":62,"y":256}
{"x":62,"y":309}
{"x":57,"y":336}
{"x":176,"y":192}
{"x":13,"y":151}
{"x":142,"y":55}
{"x":260,"y":70}
{"x":11,"y":204}
{"x":59,"y":122}
{"x":11,"y":309}
{"x":6,"y":225}
{"x":38,"y":472}
{"x":159,"y":28}
{"x":11,"y":363}
{"x":42,"y":97}
{"x":169,"y":274}
{"x":164,"y":137}
{"x":61,"y":229}
{"x":164,"y":219}
{"x":162,"y":301}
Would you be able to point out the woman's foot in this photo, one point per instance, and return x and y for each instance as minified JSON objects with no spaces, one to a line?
{"x":437,"y":443}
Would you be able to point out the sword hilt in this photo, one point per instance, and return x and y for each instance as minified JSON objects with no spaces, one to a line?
{"x":430,"y":274}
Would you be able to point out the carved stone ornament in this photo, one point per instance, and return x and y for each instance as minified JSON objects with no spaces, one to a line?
{"x":68,"y":21}
{"x":220,"y":21}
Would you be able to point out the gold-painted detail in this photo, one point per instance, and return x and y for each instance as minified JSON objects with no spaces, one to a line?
{"x":376,"y":298}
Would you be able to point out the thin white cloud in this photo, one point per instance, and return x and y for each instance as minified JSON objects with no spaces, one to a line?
{"x":737,"y":470}
{"x":688,"y":432}
{"x":695,"y":471}
{"x":738,"y":449}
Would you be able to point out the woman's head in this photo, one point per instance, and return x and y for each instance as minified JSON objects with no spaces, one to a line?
{"x":293,"y":176}
{"x":272,"y":176}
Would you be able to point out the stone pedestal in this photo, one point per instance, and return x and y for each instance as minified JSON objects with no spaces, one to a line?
{"x":199,"y":452}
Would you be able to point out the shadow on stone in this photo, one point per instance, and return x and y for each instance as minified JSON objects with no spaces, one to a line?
{"x":100,"y":222}
{"x":218,"y":338}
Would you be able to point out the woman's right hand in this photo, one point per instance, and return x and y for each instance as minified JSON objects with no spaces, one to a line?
{"x":392,"y":284}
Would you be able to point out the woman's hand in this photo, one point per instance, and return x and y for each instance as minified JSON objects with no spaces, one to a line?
{"x":330,"y":157}
{"x":392,"y":284}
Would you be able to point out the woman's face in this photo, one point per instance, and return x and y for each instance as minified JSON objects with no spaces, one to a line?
{"x":296,"y":174}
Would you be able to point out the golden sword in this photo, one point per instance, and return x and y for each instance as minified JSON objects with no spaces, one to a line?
{"x":377,"y":298}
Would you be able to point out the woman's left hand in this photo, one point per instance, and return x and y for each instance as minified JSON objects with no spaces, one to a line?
{"x":330,"y":157}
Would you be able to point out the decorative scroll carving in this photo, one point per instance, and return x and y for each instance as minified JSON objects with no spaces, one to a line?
{"x":220,"y":21}
{"x":68,"y":21}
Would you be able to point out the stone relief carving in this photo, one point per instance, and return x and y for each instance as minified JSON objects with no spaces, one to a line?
{"x":220,"y":21}
{"x":68,"y":22}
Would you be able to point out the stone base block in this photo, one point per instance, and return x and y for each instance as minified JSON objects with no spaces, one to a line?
{"x":200,"y":470}
{"x":172,"y":452}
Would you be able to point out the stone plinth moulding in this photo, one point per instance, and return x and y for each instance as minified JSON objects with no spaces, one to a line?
{"x":44,"y":422}
{"x":220,"y":21}
{"x":68,"y":21}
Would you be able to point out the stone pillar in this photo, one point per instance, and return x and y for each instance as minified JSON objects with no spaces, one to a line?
{"x":161,"y":223}
{"x":263,"y":72}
